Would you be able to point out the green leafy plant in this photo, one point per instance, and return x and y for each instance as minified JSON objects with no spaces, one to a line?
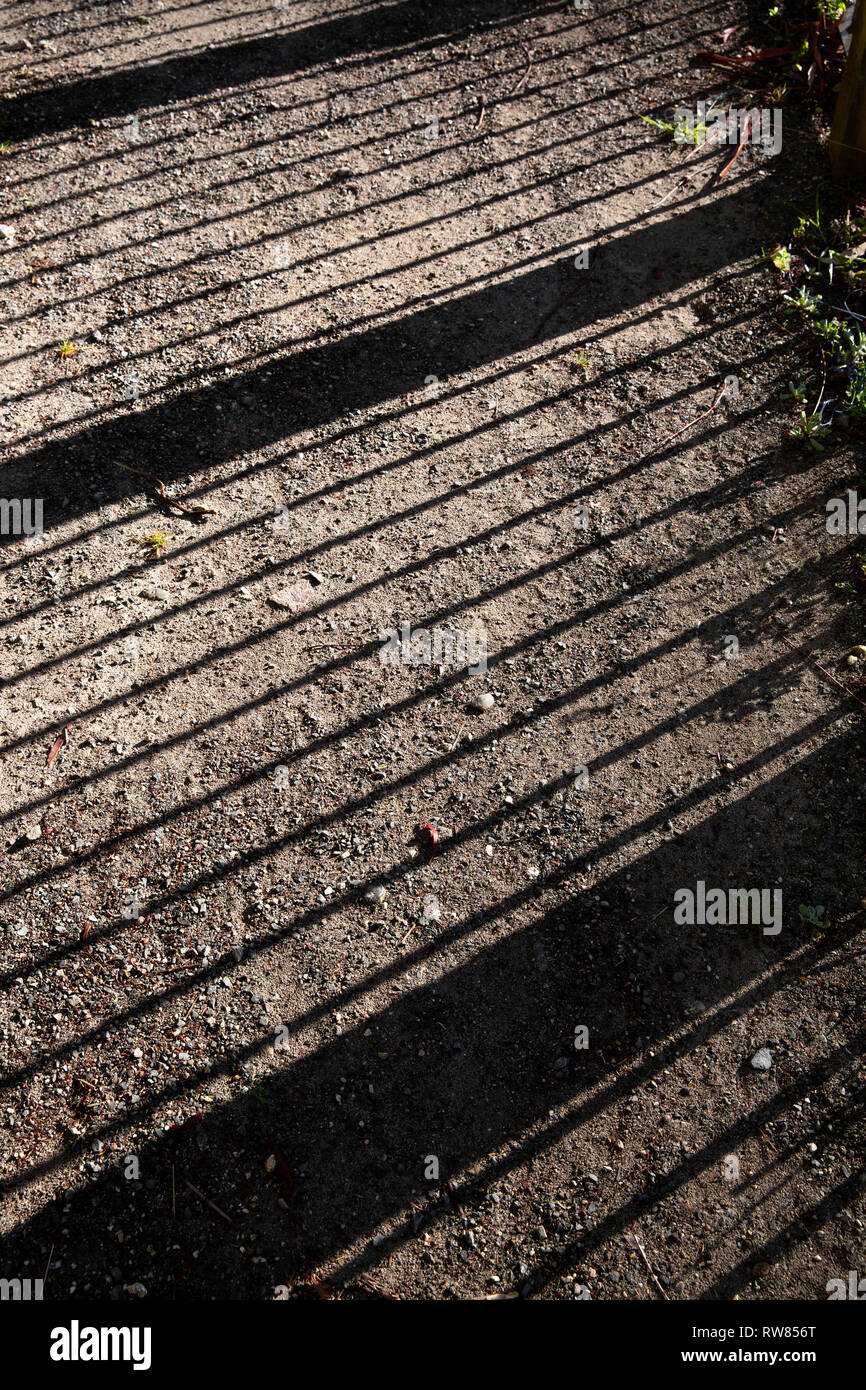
{"x":827,"y":272}
{"x":683,"y":132}
{"x":810,"y":431}
{"x":262,"y":1097}
{"x":155,"y":543}
{"x":780,"y":257}
{"x":816,"y":918}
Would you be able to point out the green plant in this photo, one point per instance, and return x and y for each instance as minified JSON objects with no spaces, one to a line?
{"x":816,"y":918}
{"x":803,"y":302}
{"x":796,"y":394}
{"x":155,"y":542}
{"x":830,"y":271}
{"x":683,"y":132}
{"x":780,"y":257}
{"x":262,"y":1097}
{"x":809,"y":431}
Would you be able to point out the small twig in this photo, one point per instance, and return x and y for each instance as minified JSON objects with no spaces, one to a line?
{"x":213,"y":1206}
{"x":635,"y":1243}
{"x":158,"y":486}
{"x":825,"y":673}
{"x":737,"y":152}
{"x":823,"y":380}
{"x":47,"y":1267}
{"x":688,"y":179}
{"x":368,"y":1282}
{"x":480,"y":112}
{"x":528,"y":56}
{"x":721,"y":391}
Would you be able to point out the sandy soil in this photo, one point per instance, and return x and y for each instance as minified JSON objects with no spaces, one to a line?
{"x":260,"y":1037}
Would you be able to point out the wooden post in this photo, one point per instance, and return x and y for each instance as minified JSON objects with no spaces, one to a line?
{"x":848,"y":136}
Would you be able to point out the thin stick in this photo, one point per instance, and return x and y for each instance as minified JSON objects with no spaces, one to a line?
{"x":688,"y":179}
{"x":47,"y":1267}
{"x":636,"y":1245}
{"x":826,"y":674}
{"x":480,"y":112}
{"x":721,"y":391}
{"x":158,"y":486}
{"x":213,"y":1206}
{"x":738,"y":151}
{"x":528,"y":56}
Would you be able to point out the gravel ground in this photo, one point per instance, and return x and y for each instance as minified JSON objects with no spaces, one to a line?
{"x":263,"y":1034}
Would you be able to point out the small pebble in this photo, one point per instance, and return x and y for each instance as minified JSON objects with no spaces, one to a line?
{"x":376,"y":894}
{"x":152,"y":591}
{"x":762,"y":1061}
{"x":482,"y":702}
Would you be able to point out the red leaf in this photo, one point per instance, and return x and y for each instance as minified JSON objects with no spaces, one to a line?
{"x":188,"y":1124}
{"x":429,"y":835}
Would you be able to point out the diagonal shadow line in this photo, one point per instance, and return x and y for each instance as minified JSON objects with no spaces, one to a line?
{"x":826,"y":1207}
{"x":175,"y":33}
{"x":265,"y":143}
{"x":131,"y":67}
{"x":449,"y":936}
{"x":178,"y":79}
{"x":316,"y":916}
{"x":361,"y":7}
{"x":445,"y":334}
{"x":392,"y":519}
{"x":623,"y":1082}
{"x":407,"y":51}
{"x":201,"y":258}
{"x":429,"y":154}
{"x":415,"y":567}
{"x":837,"y":1115}
{"x":346,"y":286}
{"x":710,"y":1153}
{"x":608,"y":16}
{"x":695,"y":199}
{"x":390,"y":417}
{"x":266,"y":360}
{"x":151,"y":145}
{"x":367,"y":721}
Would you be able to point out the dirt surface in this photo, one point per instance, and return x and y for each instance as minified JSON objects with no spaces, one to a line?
{"x":317,"y":265}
